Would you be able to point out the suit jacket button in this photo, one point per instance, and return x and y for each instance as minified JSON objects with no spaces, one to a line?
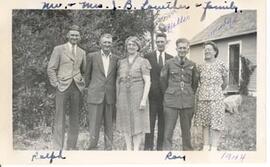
{"x":182,"y":84}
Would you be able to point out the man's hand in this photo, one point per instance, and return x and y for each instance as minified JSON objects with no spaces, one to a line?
{"x":142,"y":105}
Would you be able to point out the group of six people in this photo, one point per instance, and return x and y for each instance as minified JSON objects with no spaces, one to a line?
{"x":144,"y":88}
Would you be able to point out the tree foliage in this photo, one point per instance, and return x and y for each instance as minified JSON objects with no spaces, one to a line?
{"x":36,"y":32}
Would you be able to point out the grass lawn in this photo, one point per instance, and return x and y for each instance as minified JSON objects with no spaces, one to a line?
{"x":239,"y":135}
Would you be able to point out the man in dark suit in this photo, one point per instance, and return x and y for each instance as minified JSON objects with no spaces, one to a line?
{"x":157,"y":60}
{"x":65,"y":69}
{"x":179,"y":79}
{"x":101,"y":83}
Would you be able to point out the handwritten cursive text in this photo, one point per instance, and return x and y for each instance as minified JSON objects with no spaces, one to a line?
{"x":168,"y":5}
{"x":226,"y":6}
{"x":180,"y":19}
{"x":50,"y":156}
{"x":170,"y":156}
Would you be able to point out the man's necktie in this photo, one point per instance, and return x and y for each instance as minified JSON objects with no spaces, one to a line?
{"x":160,"y":61}
{"x":182,"y":61}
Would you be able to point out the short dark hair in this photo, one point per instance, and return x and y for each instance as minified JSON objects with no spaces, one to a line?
{"x":161,"y":35}
{"x":214,"y":45}
{"x":181,"y":40}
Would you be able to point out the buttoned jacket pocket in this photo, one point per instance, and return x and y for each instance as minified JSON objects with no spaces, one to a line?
{"x":175,"y":76}
{"x":170,"y":91}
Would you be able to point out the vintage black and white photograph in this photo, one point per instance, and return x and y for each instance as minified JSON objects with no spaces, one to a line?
{"x":103,"y":80}
{"x":174,"y":81}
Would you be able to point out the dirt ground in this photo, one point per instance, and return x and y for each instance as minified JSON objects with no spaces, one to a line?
{"x":239,"y":135}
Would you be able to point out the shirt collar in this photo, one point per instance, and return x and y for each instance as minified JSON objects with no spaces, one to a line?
{"x":103,"y":54}
{"x":179,"y":59}
{"x":70,"y":45}
{"x":162,"y":53}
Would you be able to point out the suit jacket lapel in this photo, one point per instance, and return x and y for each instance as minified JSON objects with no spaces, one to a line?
{"x":177,"y":61}
{"x":167,"y":57}
{"x":68,"y":53}
{"x":100,"y":63}
{"x":155,"y":58}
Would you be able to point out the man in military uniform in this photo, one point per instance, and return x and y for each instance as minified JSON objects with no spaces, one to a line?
{"x":179,"y":79}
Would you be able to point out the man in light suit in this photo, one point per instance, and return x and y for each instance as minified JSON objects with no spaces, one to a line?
{"x":157,"y":60}
{"x":65,"y":69}
{"x":101,"y":83}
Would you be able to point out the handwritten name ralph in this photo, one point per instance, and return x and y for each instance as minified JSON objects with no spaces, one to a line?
{"x":49,"y":156}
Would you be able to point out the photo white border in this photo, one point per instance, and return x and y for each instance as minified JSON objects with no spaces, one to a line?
{"x":9,"y":156}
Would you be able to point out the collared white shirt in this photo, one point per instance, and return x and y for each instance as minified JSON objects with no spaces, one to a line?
{"x":162,"y":55}
{"x":106,"y":62}
{"x":70,"y":48}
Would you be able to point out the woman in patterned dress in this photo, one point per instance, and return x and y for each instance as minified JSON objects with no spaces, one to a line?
{"x":133,"y":84}
{"x":210,"y":109}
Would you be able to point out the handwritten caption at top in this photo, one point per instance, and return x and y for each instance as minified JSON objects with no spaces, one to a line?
{"x":146,"y":5}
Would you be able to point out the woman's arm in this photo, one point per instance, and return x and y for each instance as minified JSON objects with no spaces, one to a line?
{"x":225,"y":78}
{"x":225,"y":82}
{"x":147,"y":84}
{"x":195,"y":78}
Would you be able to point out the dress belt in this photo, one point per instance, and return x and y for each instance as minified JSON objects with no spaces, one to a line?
{"x":129,"y":80}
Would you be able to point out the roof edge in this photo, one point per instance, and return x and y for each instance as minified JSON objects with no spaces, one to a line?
{"x":229,"y":36}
